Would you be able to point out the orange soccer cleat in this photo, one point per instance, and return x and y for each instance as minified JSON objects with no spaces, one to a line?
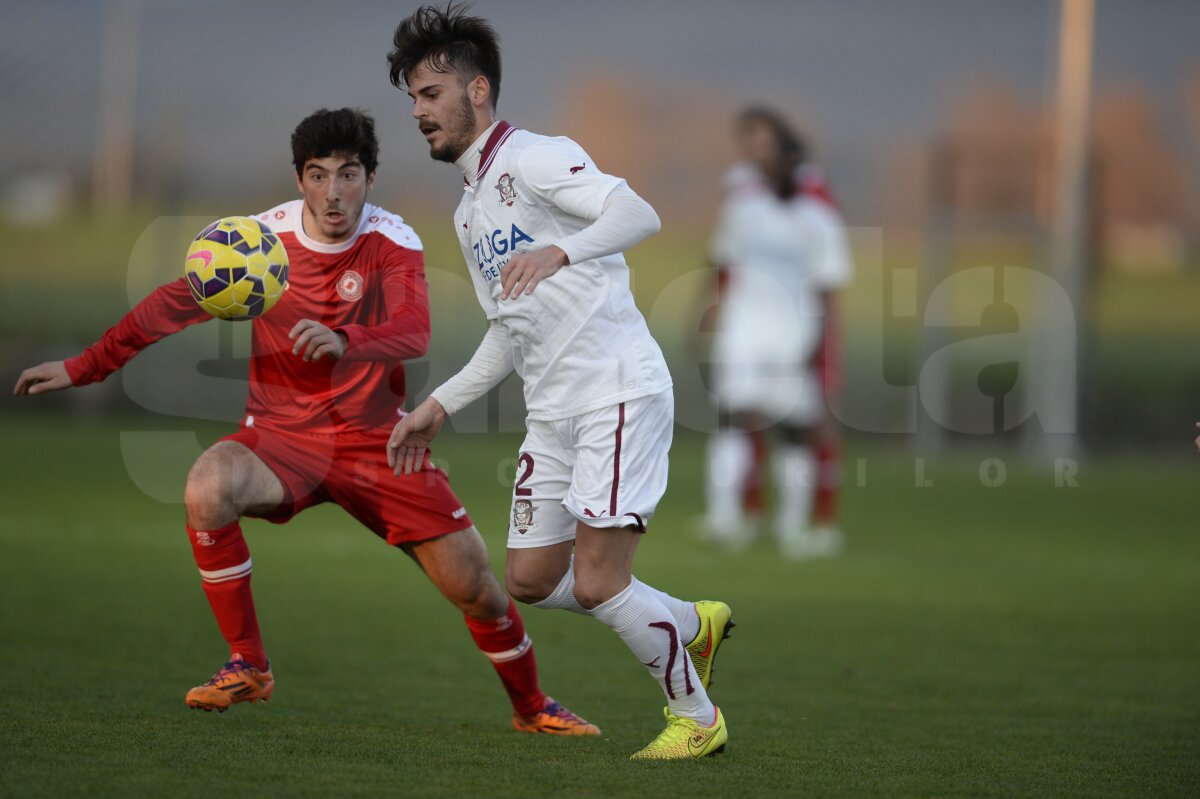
{"x":236,"y":681}
{"x":554,"y":719}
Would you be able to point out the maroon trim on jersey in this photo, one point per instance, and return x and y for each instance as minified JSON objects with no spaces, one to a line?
{"x":488,"y":154}
{"x":612,"y":502}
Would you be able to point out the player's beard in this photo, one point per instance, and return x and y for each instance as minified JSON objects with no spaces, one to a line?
{"x":458,"y":132}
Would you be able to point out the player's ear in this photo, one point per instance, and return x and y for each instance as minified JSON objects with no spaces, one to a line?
{"x":479,"y":90}
{"x":370,"y":180}
{"x":299,"y":183}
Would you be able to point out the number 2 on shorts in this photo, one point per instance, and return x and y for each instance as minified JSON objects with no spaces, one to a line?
{"x":526,"y":460}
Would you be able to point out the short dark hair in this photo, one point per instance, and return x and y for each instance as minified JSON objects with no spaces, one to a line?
{"x":792,"y":145}
{"x":325,"y":132}
{"x":448,"y":40}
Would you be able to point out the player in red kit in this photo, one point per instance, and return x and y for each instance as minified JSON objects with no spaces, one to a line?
{"x":326,"y":386}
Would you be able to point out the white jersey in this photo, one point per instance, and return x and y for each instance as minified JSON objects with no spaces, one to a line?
{"x":579,"y":342}
{"x":780,"y":256}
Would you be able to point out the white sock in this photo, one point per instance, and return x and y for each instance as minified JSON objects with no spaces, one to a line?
{"x":730,"y":456}
{"x":563,"y":595}
{"x":684,"y":613}
{"x":648,"y":629}
{"x":795,"y":480}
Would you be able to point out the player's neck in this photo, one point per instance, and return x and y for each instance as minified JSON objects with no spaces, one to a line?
{"x":471,"y":159}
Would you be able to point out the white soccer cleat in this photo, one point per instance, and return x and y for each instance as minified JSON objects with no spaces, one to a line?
{"x":819,"y":542}
{"x":730,"y":537}
{"x":828,"y":540}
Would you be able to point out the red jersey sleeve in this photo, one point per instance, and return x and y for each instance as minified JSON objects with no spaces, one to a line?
{"x":405,"y":334}
{"x":168,"y":309}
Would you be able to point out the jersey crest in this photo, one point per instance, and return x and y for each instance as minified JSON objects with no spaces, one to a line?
{"x":508,"y":193}
{"x":522,"y":513}
{"x":350,"y":286}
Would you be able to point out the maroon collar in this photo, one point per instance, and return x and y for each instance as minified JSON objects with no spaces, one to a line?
{"x":499,"y":135}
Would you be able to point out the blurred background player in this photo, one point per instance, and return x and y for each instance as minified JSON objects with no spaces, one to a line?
{"x":543,"y":232}
{"x":323,"y":396}
{"x":780,"y":253}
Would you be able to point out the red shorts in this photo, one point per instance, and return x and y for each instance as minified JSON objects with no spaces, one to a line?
{"x":352,"y":470}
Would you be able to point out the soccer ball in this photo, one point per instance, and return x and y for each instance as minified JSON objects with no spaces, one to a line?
{"x":236,"y":268}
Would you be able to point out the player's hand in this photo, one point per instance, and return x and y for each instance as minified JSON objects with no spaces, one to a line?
{"x":1198,"y":437}
{"x":525,"y":270}
{"x":411,"y":436}
{"x":49,"y":376}
{"x":314,"y":341}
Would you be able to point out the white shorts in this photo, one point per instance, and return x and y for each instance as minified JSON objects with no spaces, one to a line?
{"x":783,"y":393}
{"x":607,"y":468}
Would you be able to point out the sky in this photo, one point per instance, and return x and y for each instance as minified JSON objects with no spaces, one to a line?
{"x":221,"y":83}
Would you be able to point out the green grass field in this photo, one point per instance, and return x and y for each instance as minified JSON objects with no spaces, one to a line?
{"x":1021,"y":640}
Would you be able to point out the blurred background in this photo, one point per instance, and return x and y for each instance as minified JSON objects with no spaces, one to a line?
{"x":1016,"y":608}
{"x":129,"y":123}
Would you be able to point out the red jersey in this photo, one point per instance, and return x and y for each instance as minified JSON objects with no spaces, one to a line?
{"x":371,"y":288}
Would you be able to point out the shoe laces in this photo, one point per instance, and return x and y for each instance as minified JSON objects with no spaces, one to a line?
{"x":235,"y":665}
{"x":556,"y":710}
{"x":677,"y":727}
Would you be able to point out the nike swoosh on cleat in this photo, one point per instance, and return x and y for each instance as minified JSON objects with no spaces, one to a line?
{"x":696,"y":747}
{"x":708,"y":645}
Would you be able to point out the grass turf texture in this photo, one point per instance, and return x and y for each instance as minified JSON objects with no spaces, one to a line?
{"x":1024,"y":640}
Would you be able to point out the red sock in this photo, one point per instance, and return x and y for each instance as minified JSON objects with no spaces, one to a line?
{"x":829,"y":478}
{"x":753,"y":501}
{"x":505,"y":643}
{"x":224,"y":561}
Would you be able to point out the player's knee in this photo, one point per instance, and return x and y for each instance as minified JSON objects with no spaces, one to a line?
{"x":528,"y":588}
{"x":207,"y":496}
{"x":591,"y":591}
{"x":481,"y":597}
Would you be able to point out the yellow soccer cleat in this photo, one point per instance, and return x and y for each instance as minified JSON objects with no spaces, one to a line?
{"x":716,"y":622}
{"x":236,"y":681}
{"x":554,"y":719}
{"x":684,"y":739}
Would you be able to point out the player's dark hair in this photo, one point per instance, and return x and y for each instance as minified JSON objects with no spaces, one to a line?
{"x":793,"y":149}
{"x":446,"y":39}
{"x":325,"y":132}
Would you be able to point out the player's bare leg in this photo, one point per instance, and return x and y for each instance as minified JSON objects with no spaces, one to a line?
{"x":227,"y":481}
{"x":536,"y":576}
{"x":457,"y":563}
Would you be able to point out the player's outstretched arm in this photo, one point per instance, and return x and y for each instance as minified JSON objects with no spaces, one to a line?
{"x":412,"y":435}
{"x":166,"y":310}
{"x":48,"y":376}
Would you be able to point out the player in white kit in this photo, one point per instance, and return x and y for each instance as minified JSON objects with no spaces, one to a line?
{"x":784,"y":252}
{"x":543,"y":230}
